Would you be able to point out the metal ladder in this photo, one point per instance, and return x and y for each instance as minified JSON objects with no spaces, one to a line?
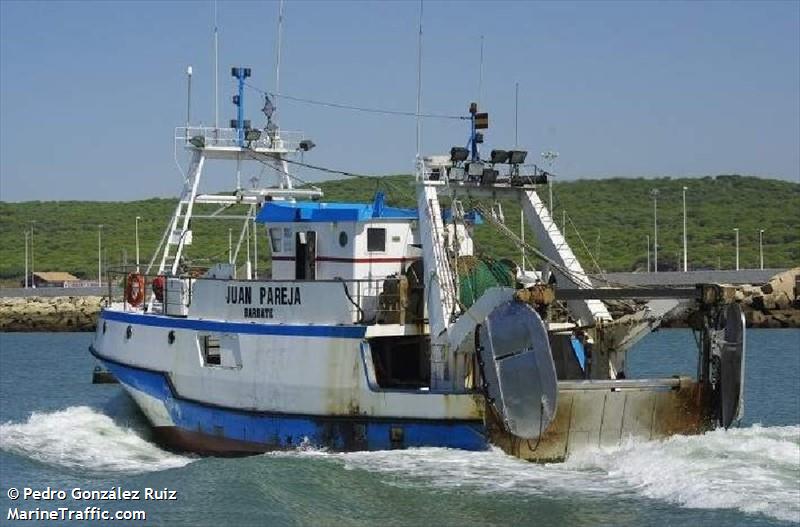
{"x":444,"y":271}
{"x":179,"y":226}
{"x":440,"y":289}
{"x":438,"y":273}
{"x":555,"y":247}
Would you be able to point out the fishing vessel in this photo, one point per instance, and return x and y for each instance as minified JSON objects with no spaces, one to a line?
{"x":381,"y":327}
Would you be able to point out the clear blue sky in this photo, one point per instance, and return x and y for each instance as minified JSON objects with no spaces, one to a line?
{"x":90,"y":92}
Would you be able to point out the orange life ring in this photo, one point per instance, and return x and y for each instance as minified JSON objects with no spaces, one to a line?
{"x":134,"y":289}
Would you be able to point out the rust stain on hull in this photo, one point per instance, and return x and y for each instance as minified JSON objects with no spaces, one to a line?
{"x":595,"y":418}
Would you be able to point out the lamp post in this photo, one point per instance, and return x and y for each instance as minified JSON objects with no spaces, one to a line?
{"x":550,"y":157}
{"x":736,"y":230}
{"x":761,"y":247}
{"x":100,"y":255}
{"x":685,"y":251}
{"x":26,"y":258}
{"x":33,"y":281}
{"x":137,"y":242}
{"x":654,"y":193}
{"x":230,"y":246}
{"x":522,"y":236}
{"x":648,"y":253}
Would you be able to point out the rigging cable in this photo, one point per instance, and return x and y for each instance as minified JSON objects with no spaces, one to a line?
{"x":356,"y":108}
{"x":258,"y":156}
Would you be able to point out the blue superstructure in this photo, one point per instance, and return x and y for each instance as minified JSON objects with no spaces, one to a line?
{"x":312,"y":211}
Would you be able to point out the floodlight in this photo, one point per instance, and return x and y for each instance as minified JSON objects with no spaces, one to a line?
{"x":306,"y":145}
{"x":475,"y":169}
{"x":198,"y":141}
{"x":245,"y":72}
{"x":456,"y":173}
{"x":458,"y":154}
{"x":253,"y":134}
{"x":478,"y":137}
{"x":234,"y":123}
{"x":499,"y":156}
{"x":517,"y":157}
{"x":489,"y":176}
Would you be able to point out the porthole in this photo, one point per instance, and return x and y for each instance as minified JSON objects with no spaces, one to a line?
{"x":171,"y":337}
{"x":343,"y":239}
{"x":128,"y":332}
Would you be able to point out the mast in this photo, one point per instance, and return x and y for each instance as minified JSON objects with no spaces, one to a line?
{"x":216,"y":69}
{"x":480,"y":75}
{"x":285,"y":181}
{"x":188,"y":97}
{"x":516,"y":115}
{"x":278,"y":50}
{"x":419,"y":84}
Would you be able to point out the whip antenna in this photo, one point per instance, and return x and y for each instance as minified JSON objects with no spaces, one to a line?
{"x":216,"y":69}
{"x":419,"y":83}
{"x":480,"y":75}
{"x":278,"y":50}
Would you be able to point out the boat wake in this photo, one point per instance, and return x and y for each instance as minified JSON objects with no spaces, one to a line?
{"x":753,"y":470}
{"x":82,"y":438}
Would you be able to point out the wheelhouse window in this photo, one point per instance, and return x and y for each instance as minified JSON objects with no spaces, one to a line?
{"x":276,"y":239}
{"x":376,"y":240}
{"x":288,"y":240}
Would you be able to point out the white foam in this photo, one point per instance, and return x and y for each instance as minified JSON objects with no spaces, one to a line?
{"x":753,"y":470}
{"x":80,"y":437}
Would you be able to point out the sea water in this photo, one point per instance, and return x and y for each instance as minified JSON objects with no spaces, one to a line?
{"x":59,"y":431}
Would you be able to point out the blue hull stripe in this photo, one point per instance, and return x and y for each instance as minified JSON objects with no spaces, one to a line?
{"x":281,"y":431}
{"x":248,"y":328}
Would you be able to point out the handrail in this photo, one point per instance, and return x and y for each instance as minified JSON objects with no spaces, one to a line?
{"x":371,"y":302}
{"x":285,"y":141}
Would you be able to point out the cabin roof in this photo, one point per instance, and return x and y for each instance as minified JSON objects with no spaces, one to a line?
{"x":310,"y":211}
{"x":314,"y":211}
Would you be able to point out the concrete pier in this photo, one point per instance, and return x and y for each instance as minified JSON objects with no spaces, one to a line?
{"x":743,"y":276}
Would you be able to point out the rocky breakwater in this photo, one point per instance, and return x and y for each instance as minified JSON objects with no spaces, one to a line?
{"x":58,"y":313}
{"x":775,"y":304}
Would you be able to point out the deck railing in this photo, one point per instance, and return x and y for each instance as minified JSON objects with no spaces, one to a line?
{"x":371,"y":301}
{"x":229,"y":138}
{"x":487,"y":174}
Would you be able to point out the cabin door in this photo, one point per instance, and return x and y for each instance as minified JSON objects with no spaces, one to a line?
{"x":305,"y":250}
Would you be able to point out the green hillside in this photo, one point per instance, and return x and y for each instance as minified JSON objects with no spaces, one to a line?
{"x":610,"y":217}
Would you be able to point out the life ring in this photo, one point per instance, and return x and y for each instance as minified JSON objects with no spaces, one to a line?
{"x":158,"y":287}
{"x":134,"y":289}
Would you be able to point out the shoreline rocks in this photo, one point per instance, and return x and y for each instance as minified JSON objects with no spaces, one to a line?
{"x":772,"y":305}
{"x":56,"y":313}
